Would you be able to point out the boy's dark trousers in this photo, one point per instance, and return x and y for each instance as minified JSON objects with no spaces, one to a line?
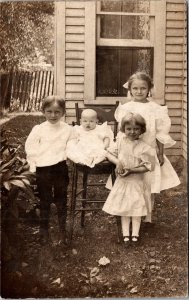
{"x":52,"y":183}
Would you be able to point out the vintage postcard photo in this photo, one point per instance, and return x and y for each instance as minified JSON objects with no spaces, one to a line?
{"x":94,"y":149}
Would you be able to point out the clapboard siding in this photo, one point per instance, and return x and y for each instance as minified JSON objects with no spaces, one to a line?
{"x":175,"y":12}
{"x":184,"y":120}
{"x":75,"y":55}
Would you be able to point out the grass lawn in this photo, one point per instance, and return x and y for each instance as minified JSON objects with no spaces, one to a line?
{"x":157,"y":267}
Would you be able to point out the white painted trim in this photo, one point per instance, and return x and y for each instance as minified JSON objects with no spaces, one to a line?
{"x":90,"y":50}
{"x":159,"y":51}
{"x":124,"y":43}
{"x":60,"y":49}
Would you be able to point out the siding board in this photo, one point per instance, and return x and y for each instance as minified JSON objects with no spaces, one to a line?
{"x":174,"y":40}
{"x":75,"y":21}
{"x":75,"y":38}
{"x":174,"y":32}
{"x":75,"y":46}
{"x":174,"y":49}
{"x":175,"y":7}
{"x":74,"y":88}
{"x":173,"y":97}
{"x":75,"y":4}
{"x":174,"y":57}
{"x":74,"y":71}
{"x":75,"y":29}
{"x":174,"y":73}
{"x":173,"y":88}
{"x":77,"y":63}
{"x":75,"y":96}
{"x":75,"y":55}
{"x":174,"y":65}
{"x":174,"y":104}
{"x":74,"y":79}
{"x":75,"y":12}
{"x":175,"y":24}
{"x":170,"y":80}
{"x":175,"y":15}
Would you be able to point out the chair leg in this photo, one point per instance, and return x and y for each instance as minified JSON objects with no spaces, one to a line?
{"x":119,"y":230}
{"x":73,"y":201}
{"x":84,"y":195}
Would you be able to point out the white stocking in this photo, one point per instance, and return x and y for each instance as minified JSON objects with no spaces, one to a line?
{"x":125,"y":223}
{"x":136,"y":225}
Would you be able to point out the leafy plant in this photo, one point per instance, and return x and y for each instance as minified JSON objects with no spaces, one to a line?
{"x":16,"y":194}
{"x":13,"y":169}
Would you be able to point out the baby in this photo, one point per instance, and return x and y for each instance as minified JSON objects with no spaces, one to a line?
{"x":90,"y":140}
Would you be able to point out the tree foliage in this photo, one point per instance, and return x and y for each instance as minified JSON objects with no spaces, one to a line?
{"x":26,"y":32}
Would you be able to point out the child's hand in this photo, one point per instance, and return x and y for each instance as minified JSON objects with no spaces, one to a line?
{"x":161,"y":159}
{"x":119,"y":168}
{"x":125,"y":173}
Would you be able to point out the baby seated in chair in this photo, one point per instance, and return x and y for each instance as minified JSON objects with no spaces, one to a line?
{"x":90,"y":140}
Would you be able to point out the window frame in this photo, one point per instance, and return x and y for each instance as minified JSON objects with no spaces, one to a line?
{"x":157,"y":40}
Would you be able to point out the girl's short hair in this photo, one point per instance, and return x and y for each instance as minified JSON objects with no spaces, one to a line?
{"x":133,"y":118}
{"x":141,"y":76}
{"x":48,"y":101}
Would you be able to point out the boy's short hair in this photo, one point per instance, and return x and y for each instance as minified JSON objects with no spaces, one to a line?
{"x":129,"y":118}
{"x":141,"y":76}
{"x":53,"y":99}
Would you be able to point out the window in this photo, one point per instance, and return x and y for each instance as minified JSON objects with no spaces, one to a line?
{"x":129,"y":37}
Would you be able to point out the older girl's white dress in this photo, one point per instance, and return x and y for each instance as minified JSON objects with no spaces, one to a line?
{"x":87,"y":147}
{"x":130,"y":195}
{"x":157,"y":127}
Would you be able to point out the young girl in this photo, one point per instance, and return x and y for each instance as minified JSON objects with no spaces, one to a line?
{"x":157,"y":130}
{"x":130,"y":194}
{"x":90,"y":140}
{"x":46,"y":154}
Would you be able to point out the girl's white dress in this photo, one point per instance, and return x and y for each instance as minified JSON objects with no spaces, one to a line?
{"x":157,"y":127}
{"x":130,"y":195}
{"x":87,"y":147}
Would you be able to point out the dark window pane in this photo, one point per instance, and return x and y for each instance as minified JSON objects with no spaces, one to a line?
{"x":136,"y":6}
{"x":114,"y":66}
{"x":124,"y":27}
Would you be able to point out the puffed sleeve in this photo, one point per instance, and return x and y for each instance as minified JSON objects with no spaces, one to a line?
{"x":105,"y":131}
{"x":163,"y":125}
{"x":31,"y":147}
{"x":148,"y":158}
{"x":120,"y":112}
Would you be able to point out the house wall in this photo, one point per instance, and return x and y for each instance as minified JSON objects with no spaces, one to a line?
{"x":174,"y":72}
{"x":73,"y":35}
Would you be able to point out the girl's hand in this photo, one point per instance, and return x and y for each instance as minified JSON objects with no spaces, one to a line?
{"x":125,"y":173}
{"x":119,"y":168}
{"x":161,"y":159}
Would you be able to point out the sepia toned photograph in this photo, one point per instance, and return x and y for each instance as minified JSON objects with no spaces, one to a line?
{"x":94,"y":149}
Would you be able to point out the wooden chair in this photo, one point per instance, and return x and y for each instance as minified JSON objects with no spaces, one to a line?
{"x":104,"y":167}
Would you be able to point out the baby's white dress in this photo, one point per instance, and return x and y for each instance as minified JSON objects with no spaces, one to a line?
{"x":87,"y":147}
{"x":157,"y":127}
{"x":130,"y":195}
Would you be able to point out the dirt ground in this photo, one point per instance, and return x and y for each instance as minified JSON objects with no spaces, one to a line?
{"x":157,"y":267}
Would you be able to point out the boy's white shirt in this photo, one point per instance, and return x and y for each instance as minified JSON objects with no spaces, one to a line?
{"x":46,"y":144}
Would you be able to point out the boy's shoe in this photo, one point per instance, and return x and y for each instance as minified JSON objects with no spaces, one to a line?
{"x":44,"y":236}
{"x":63,"y":237}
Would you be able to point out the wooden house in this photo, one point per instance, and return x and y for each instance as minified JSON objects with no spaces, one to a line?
{"x":99,"y":44}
